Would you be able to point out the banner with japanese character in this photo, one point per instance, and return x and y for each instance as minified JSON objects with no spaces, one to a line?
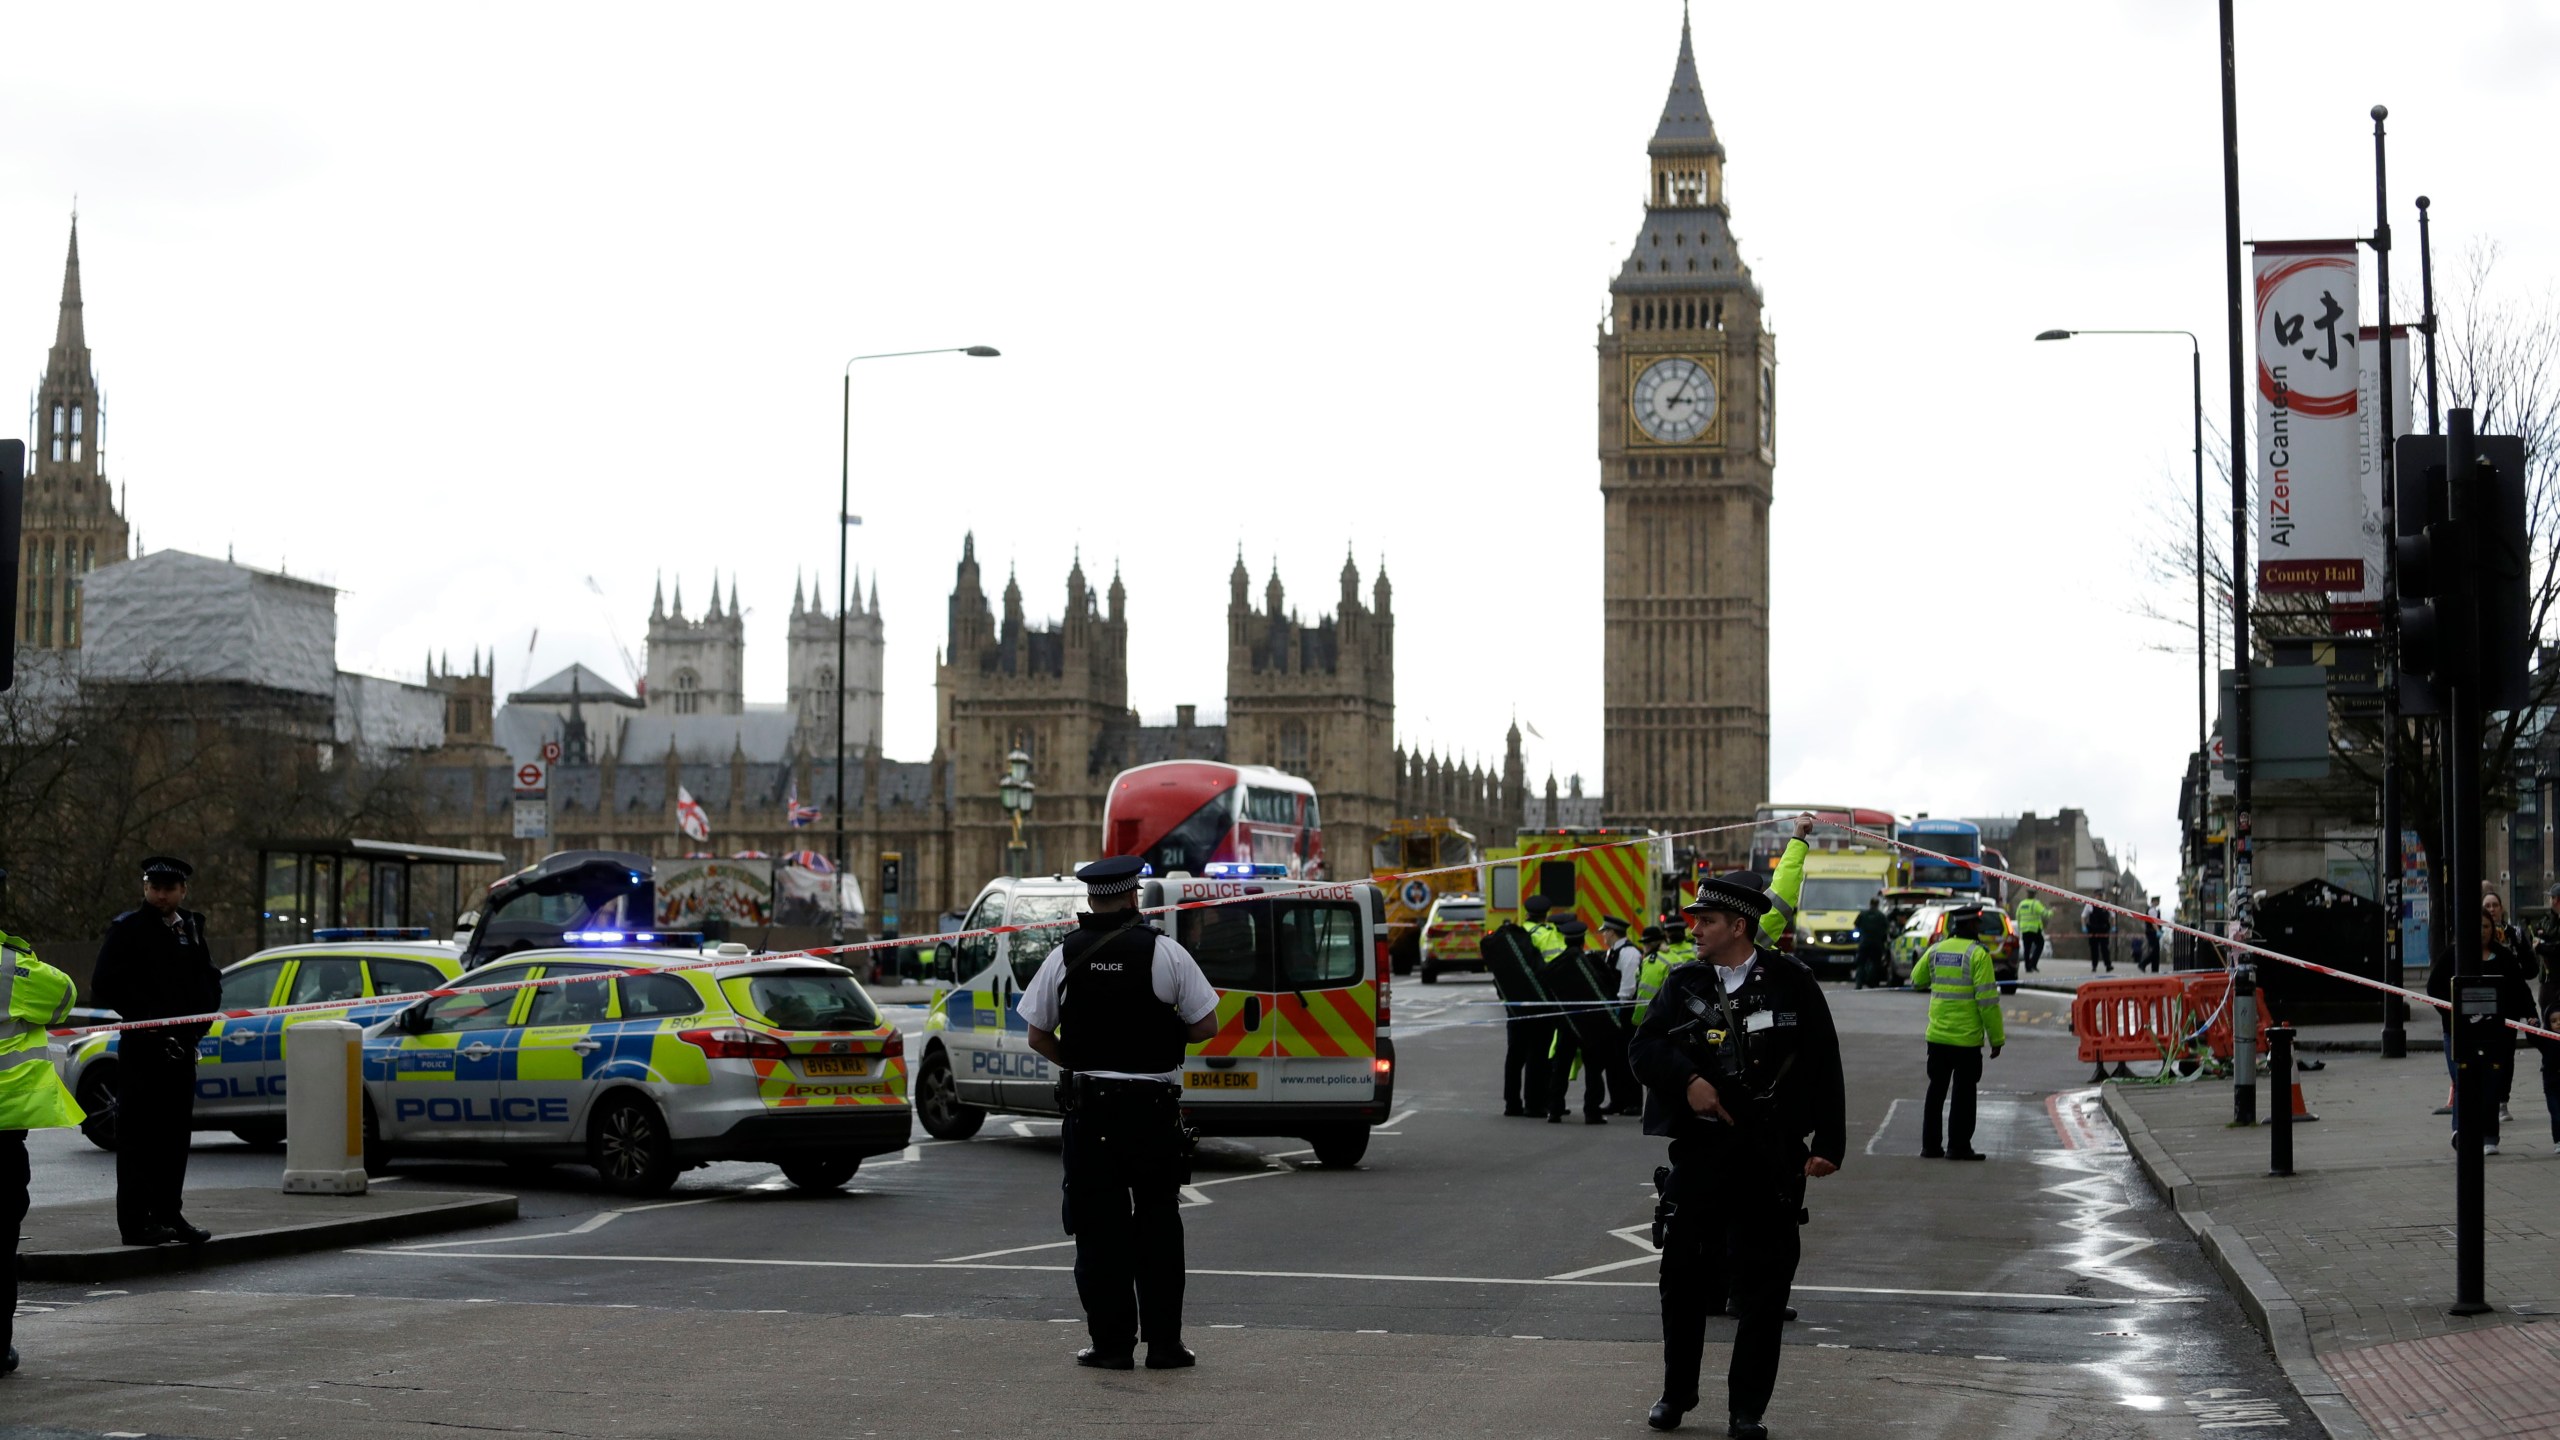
{"x":2310,"y":438}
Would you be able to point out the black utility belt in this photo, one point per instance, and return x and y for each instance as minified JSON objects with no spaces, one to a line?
{"x":1076,"y":1090}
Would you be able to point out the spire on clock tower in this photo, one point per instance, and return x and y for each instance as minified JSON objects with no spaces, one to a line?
{"x":71,"y":524}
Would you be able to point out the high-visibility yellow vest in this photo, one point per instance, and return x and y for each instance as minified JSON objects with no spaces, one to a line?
{"x":1649,"y":977}
{"x":33,"y":997}
{"x":1548,"y":939}
{"x":1964,"y":993}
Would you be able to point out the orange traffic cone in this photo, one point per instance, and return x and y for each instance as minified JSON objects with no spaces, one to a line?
{"x":2301,"y":1107}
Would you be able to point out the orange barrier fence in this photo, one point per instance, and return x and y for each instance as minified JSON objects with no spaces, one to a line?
{"x":2149,"y":1017}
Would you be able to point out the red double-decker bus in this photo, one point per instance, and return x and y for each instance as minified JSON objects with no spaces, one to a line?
{"x":1188,"y":815}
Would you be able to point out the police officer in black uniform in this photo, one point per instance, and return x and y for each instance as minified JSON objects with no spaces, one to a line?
{"x":1113,"y":1006}
{"x":155,"y":964}
{"x":1741,"y":1069}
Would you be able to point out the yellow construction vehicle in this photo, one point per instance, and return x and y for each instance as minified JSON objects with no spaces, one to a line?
{"x":1429,"y":842}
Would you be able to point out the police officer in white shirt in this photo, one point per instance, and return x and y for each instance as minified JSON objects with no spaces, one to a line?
{"x":1114,"y":1006}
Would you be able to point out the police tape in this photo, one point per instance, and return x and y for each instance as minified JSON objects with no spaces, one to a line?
{"x":2226,"y":944}
{"x":1239,"y":891}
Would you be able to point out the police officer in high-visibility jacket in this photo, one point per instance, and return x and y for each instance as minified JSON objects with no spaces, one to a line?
{"x":2032,"y":914}
{"x":33,"y":996}
{"x":1964,"y":1015}
{"x":1650,"y":971}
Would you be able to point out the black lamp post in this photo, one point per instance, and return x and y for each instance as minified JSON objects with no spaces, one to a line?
{"x":845,"y":521}
{"x":2204,"y":768}
{"x":1014,"y":792}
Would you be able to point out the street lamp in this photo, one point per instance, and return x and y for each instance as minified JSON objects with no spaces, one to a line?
{"x":1014,"y":792}
{"x":2204,"y":755}
{"x":845,"y":521}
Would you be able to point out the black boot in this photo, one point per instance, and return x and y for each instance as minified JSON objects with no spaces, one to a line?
{"x":1102,"y":1360}
{"x":1746,"y":1427}
{"x":1664,"y":1415}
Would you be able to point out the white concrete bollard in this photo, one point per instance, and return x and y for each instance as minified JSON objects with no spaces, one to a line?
{"x":324,"y":1109}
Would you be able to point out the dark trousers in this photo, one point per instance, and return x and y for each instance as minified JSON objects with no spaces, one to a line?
{"x":2101,"y":952}
{"x":1626,"y":1093}
{"x":1123,"y":1150}
{"x":1524,"y":1062}
{"x":155,"y":1123}
{"x":2550,"y":1082}
{"x":1730,"y":1238}
{"x":1560,"y":1073}
{"x":2031,"y":948}
{"x":1953,"y":1072}
{"x":13,"y":1213}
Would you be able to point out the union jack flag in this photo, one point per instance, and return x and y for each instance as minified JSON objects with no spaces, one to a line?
{"x":800,"y":816}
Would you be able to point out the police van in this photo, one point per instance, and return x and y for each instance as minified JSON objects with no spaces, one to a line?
{"x":240,"y":1061}
{"x":1303,"y":1046}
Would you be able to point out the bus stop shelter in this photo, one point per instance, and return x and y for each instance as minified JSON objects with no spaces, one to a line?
{"x":307,"y":885}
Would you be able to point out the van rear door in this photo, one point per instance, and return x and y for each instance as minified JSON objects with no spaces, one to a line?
{"x":1326,"y":999}
{"x":1233,"y":944}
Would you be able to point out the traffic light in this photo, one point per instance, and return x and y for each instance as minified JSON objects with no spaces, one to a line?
{"x":13,"y":504}
{"x":2418,"y":464}
{"x":2438,"y":634}
{"x":2502,"y":559}
{"x":2464,"y":570}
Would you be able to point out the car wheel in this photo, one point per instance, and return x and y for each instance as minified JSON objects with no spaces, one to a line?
{"x":821,"y":1173}
{"x":938,"y":1104}
{"x":377,"y":1156}
{"x":97,"y":1099}
{"x":261,"y":1135}
{"x":1430,"y":974}
{"x":1341,"y":1148}
{"x":628,"y":1144}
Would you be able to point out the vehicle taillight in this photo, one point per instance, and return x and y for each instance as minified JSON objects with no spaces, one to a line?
{"x":731,"y":1043}
{"x":894,"y":1046}
{"x":1386,"y":969}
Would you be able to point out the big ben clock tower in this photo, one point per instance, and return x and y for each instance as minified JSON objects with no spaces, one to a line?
{"x":1688,"y":447}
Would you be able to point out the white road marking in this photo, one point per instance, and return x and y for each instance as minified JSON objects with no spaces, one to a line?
{"x":1882,"y":1126}
{"x":588,"y":1226}
{"x":1282,"y":1275}
{"x":1399,"y":1119}
{"x":1016,"y":1250}
{"x":1627,"y":1264}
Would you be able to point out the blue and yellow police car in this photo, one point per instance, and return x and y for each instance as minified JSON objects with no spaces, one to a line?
{"x":642,"y":1070}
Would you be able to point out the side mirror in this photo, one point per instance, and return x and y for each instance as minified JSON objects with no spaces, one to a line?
{"x":945,"y":964}
{"x":412,"y":1021}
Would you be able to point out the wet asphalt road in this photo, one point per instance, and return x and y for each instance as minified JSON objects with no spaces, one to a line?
{"x":2052,"y":1260}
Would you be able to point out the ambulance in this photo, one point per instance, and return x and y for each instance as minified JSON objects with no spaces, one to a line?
{"x":1303,"y":1045}
{"x":1591,"y":874}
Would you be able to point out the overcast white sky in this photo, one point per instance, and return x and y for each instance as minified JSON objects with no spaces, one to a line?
{"x":457,"y":307}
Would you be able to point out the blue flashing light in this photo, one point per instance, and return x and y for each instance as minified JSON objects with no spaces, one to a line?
{"x":1243,"y":870}
{"x":642,"y":939}
{"x":372,"y":932}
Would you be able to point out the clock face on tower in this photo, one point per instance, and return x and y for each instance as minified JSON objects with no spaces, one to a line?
{"x":1675,"y":400}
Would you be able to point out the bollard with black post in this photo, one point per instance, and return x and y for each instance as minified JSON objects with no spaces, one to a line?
{"x":2280,"y":1118}
{"x":2244,"y":1045}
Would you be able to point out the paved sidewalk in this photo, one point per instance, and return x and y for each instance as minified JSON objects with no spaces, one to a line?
{"x":2348,"y":1265}
{"x":79,"y":1241}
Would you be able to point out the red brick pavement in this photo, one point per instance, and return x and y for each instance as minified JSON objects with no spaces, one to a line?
{"x":2484,"y":1384}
